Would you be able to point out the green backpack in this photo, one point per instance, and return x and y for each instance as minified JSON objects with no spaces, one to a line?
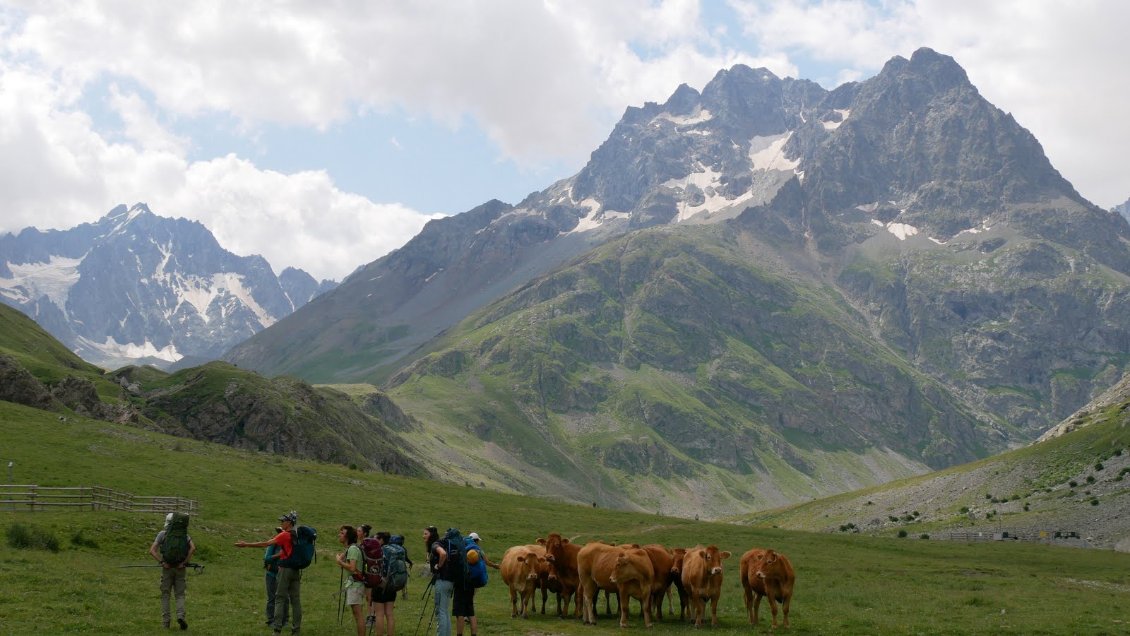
{"x":174,"y":548}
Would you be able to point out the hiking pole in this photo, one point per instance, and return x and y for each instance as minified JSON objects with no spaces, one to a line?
{"x":341,"y":597}
{"x":424,"y":597}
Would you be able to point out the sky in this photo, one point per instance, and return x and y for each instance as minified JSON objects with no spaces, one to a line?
{"x":322,"y":135}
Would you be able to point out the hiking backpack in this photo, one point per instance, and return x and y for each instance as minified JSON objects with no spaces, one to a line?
{"x":302,"y":553}
{"x":394,"y":571}
{"x":372,"y":565}
{"x":174,"y":547}
{"x":455,"y":567}
{"x":477,"y":571}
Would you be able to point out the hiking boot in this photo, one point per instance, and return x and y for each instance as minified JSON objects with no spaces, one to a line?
{"x":183,"y":624}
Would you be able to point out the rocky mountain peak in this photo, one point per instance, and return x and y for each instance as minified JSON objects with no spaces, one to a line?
{"x":134,"y":287}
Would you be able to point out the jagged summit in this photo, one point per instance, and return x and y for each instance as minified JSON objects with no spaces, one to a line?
{"x":134,"y":287}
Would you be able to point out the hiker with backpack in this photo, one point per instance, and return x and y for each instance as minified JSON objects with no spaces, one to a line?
{"x":351,"y":562}
{"x":441,"y":579}
{"x":173,"y":548}
{"x":393,"y":577}
{"x":296,"y":551}
{"x":271,"y":577}
{"x":463,"y":607}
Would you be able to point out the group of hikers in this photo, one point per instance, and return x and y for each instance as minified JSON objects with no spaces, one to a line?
{"x":374,"y":569}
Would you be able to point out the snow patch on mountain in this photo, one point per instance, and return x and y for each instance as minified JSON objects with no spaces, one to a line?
{"x":767,"y":153}
{"x":53,"y":279}
{"x":233,"y":284}
{"x":113,"y":349}
{"x":902,"y":231}
{"x":687,"y":120}
{"x":832,"y":125}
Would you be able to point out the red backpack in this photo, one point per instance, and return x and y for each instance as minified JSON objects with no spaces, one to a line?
{"x":371,"y":557}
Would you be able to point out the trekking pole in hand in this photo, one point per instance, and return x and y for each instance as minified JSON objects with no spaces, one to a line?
{"x":341,"y":598}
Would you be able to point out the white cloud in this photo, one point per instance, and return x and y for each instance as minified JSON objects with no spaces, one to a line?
{"x":57,"y":172}
{"x":298,"y":219}
{"x":545,"y":81}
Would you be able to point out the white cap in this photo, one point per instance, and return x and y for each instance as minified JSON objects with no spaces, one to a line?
{"x":475,"y":536}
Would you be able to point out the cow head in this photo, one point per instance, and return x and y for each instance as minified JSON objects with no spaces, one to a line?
{"x":714,"y":558}
{"x":553,"y":545}
{"x":769,"y":558}
{"x":530,"y":565}
{"x":623,"y":562}
{"x":677,"y":554}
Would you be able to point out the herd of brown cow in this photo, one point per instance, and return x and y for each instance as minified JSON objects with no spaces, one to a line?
{"x":647,"y":573}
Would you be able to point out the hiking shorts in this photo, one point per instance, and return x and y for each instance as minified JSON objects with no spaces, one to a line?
{"x":355,"y":595}
{"x":464,"y":603}
{"x":382,"y":596}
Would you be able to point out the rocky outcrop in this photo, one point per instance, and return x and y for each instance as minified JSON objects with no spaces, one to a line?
{"x":19,"y":386}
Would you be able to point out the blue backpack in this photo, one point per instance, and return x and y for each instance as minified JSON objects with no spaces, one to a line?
{"x":303,"y":553}
{"x":477,"y":571}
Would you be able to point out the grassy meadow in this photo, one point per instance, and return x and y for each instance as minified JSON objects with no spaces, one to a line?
{"x":846,"y":584}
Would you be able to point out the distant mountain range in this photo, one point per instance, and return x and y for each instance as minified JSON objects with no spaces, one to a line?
{"x":137,"y":288}
{"x":752,"y":295}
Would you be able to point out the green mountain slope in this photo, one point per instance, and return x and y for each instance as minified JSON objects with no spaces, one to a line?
{"x":216,"y":402}
{"x":1077,"y":482}
{"x":680,"y":371}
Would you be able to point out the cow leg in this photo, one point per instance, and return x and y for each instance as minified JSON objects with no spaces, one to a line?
{"x":544,"y":595}
{"x":772,"y":606}
{"x":513,"y":603}
{"x":625,"y":608}
{"x":647,"y":609}
{"x":714,"y":610}
{"x":586,"y":605}
{"x":748,"y":595}
{"x":756,"y":606}
{"x":785,"y":609}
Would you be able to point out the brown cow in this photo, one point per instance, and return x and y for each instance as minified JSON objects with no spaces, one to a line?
{"x":662,"y":561}
{"x":562,"y":557}
{"x":767,"y":573}
{"x":520,"y":573}
{"x":547,"y":583}
{"x":702,"y":576}
{"x":633,"y":574}
{"x":624,"y":570}
{"x":677,"y":556}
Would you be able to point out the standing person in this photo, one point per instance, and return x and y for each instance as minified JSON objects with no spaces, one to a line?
{"x":363,"y":531}
{"x":288,"y":595}
{"x":463,"y":607}
{"x":437,"y":559}
{"x":271,"y":565}
{"x":173,"y":573}
{"x":354,"y":589}
{"x":384,"y":600}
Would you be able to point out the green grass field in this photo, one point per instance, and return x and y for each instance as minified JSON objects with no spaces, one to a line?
{"x":846,"y":584}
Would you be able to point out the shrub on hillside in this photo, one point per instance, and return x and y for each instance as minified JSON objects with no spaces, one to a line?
{"x":80,"y":540}
{"x":21,"y":537}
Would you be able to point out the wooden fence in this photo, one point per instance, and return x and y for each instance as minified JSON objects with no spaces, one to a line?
{"x":1011,"y":535}
{"x":33,"y":498}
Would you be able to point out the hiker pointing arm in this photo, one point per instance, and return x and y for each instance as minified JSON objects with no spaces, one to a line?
{"x":288,"y":599}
